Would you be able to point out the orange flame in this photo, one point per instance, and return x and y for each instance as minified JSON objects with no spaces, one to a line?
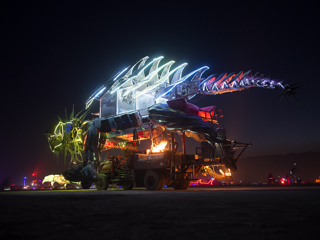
{"x":160,"y":147}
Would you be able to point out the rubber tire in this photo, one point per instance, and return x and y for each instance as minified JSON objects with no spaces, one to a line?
{"x":86,"y":184}
{"x":103,"y":182}
{"x":152,"y":181}
{"x":128,"y":185}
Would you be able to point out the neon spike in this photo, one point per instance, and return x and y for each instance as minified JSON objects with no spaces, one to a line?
{"x":149,"y":77}
{"x":190,"y":74}
{"x":136,"y":75}
{"x":161,"y":80}
{"x":123,"y":84}
{"x":120,"y":73}
{"x":171,"y":72}
{"x":183,"y":79}
{"x":104,"y":88}
{"x":279,"y":83}
{"x":149,"y":64}
{"x":129,"y":72}
{"x":89,"y":102}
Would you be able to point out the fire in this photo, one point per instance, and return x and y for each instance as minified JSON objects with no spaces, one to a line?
{"x":160,"y":147}
{"x":228,"y":173}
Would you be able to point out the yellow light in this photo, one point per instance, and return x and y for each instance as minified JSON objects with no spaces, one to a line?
{"x":160,"y":147}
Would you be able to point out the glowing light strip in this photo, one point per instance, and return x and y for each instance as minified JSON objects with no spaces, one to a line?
{"x":104,"y":88}
{"x":136,"y":75}
{"x":149,"y":64}
{"x":184,"y":78}
{"x":279,"y":83}
{"x":90,"y":100}
{"x":120,"y":73}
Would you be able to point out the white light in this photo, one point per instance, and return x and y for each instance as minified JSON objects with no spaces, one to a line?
{"x":99,"y":92}
{"x":183,"y":79}
{"x":136,"y":75}
{"x":280,"y":85}
{"x":160,"y":81}
{"x":148,"y":78}
{"x":120,"y":74}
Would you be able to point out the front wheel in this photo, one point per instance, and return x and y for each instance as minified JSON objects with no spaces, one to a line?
{"x":152,"y":181}
{"x":103,"y":182}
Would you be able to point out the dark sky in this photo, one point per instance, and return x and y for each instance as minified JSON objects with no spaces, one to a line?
{"x":55,"y":54}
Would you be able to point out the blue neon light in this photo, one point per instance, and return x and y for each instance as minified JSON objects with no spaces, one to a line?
{"x":68,"y":128}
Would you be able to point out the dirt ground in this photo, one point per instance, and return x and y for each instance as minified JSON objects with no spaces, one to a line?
{"x":197,"y":213}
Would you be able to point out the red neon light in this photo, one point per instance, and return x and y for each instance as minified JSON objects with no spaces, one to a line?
{"x":200,"y":183}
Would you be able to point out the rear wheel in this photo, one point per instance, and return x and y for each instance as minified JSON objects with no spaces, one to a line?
{"x":152,"y":180}
{"x":103,"y":182}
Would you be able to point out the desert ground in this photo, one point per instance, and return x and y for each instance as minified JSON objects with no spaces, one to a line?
{"x":197,"y":213}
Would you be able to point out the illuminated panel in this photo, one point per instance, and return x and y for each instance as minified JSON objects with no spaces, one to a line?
{"x":144,"y":101}
{"x":108,"y":105}
{"x":125,"y":103}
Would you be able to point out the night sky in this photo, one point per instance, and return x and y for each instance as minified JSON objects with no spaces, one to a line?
{"x":56,"y":54}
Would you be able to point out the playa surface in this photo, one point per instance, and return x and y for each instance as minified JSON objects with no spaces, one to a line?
{"x":196,"y":213}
